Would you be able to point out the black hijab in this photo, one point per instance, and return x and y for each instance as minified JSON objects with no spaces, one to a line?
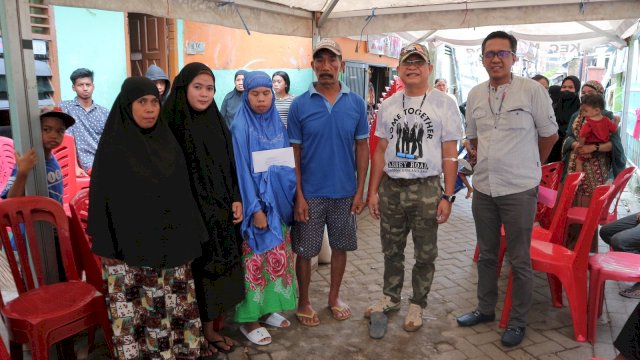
{"x":206,"y":143}
{"x":568,"y":103}
{"x":140,"y":209}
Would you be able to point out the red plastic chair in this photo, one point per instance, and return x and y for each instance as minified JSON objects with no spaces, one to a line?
{"x":577,"y":215}
{"x":555,"y":233}
{"x":45,"y":314}
{"x":90,"y":263}
{"x":66,"y":156}
{"x":551,"y":174}
{"x":4,"y":354}
{"x":621,"y":266}
{"x":569,"y":266}
{"x":7,"y":160}
{"x":550,"y":179}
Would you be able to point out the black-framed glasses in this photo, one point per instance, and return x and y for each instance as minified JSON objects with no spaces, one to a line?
{"x":502,"y":54}
{"x":416,"y":62}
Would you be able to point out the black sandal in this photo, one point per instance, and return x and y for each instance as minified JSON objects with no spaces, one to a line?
{"x":231,"y":346}
{"x":213,"y":356}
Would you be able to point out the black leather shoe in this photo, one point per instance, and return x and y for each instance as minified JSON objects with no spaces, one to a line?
{"x":474,"y":318}
{"x":513,"y":336}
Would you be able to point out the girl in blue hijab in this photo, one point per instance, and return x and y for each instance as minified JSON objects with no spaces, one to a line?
{"x":270,"y":284}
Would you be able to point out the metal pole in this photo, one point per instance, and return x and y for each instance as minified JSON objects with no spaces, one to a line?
{"x":15,"y":23}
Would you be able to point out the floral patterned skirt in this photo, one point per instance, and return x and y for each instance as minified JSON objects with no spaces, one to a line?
{"x":270,"y":281}
{"x":153,"y":312}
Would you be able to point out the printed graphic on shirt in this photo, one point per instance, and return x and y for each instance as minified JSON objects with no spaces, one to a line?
{"x":415,"y":129}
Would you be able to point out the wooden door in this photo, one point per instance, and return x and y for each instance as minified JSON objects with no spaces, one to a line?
{"x":147,"y":43}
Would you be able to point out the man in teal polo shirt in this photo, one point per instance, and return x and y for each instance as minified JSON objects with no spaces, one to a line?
{"x":326,"y":124}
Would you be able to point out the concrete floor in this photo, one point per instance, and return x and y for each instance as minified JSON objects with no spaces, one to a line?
{"x":549,"y":335}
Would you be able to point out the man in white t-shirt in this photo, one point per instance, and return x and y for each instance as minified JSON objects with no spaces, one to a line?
{"x":405,"y":191}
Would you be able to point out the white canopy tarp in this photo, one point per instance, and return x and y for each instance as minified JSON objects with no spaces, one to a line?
{"x":336,"y":18}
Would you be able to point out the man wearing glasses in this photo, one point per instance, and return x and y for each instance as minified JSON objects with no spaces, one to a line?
{"x":510,"y":122}
{"x":405,"y":192}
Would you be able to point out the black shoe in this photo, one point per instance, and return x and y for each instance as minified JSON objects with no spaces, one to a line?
{"x":474,"y":318}
{"x":513,"y":336}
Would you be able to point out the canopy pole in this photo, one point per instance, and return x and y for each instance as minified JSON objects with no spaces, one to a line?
{"x":326,"y":14}
{"x":609,"y":36}
{"x":15,"y":23}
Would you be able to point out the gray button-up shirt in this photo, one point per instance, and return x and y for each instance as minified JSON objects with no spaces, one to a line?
{"x":507,"y":122}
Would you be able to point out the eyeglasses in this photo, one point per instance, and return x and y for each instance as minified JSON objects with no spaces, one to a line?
{"x":502,"y":54}
{"x":417,"y":62}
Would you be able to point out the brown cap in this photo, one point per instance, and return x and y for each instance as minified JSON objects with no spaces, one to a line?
{"x":328,"y":44}
{"x":414,"y":48}
{"x":56,"y":111}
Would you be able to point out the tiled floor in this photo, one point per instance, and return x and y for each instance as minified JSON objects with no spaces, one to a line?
{"x":549,"y":335}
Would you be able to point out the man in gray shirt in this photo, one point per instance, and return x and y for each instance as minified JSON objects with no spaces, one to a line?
{"x":510,"y":121}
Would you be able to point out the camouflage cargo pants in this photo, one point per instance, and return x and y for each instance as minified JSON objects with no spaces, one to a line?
{"x":409,"y":205}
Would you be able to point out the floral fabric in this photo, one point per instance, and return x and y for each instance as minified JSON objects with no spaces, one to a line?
{"x":270,"y":282}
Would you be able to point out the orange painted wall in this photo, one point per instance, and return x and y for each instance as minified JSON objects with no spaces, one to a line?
{"x":349,"y":53}
{"x":227,"y":48}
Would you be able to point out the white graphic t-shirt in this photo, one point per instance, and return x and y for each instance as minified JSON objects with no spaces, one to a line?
{"x":416,"y":132}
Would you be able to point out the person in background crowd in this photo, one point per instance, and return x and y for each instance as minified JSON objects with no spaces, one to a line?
{"x":624,"y":235}
{"x":281,"y":87}
{"x":90,"y":119}
{"x":233,"y":99}
{"x":206,"y":143}
{"x":542,"y":80}
{"x":597,"y":128}
{"x":338,"y":148}
{"x":510,"y":122}
{"x":606,"y":160}
{"x":155,"y":74}
{"x":441,"y":84}
{"x":146,"y":227}
{"x":568,"y":102}
{"x":270,"y":282}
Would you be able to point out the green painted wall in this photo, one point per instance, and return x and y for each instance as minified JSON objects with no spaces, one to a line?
{"x":93,"y":39}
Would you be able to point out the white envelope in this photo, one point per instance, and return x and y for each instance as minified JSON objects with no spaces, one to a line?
{"x":263,"y":159}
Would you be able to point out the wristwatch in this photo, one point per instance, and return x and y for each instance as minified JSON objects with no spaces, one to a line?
{"x":449,"y":198}
{"x":597,"y":147}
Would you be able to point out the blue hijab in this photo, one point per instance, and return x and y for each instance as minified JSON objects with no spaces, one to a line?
{"x":271,"y":191}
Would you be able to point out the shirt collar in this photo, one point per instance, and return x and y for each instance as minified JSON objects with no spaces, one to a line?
{"x":344,"y":89}
{"x":77,"y":103}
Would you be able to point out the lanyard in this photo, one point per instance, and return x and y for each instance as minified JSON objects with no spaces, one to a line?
{"x":504,"y":95}
{"x":421,"y":103}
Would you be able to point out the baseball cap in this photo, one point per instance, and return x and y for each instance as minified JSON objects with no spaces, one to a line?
{"x":414,"y":48}
{"x":328,"y":44}
{"x":56,"y":111}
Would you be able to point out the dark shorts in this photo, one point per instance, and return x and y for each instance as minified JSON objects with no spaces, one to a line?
{"x":341,"y":224}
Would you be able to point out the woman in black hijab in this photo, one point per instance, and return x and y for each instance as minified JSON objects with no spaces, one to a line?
{"x":194,"y":118}
{"x":567,"y":104}
{"x":145,"y":225}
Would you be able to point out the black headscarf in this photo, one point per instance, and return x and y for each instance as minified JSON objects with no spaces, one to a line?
{"x":568,"y":103}
{"x":141,"y":209}
{"x":206,"y":143}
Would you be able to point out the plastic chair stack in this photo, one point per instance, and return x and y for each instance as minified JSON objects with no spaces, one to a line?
{"x":551,"y":174}
{"x":86,"y":260}
{"x":7,"y":160}
{"x":43,"y":315}
{"x":67,"y":159}
{"x":621,"y":266}
{"x":569,"y":266}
